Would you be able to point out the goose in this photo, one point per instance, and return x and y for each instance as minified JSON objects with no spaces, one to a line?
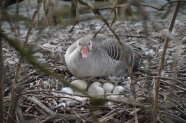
{"x":101,"y":56}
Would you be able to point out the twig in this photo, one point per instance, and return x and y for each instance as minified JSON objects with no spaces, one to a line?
{"x":108,"y":116}
{"x":104,"y":23}
{"x":38,"y":103}
{"x":169,"y":117}
{"x":1,"y":73}
{"x":145,"y":5}
{"x":14,"y":96}
{"x":181,"y":88}
{"x":170,"y":2}
{"x":160,"y":77}
{"x":135,"y":36}
{"x":32,"y":22}
{"x":47,"y":119}
{"x":74,"y":3}
{"x":98,"y":14}
{"x":123,"y":5}
{"x":162,"y":59}
{"x":79,"y":116}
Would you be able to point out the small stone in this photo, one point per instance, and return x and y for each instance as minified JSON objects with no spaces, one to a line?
{"x":32,"y":85}
{"x":5,"y":50}
{"x":184,"y":40}
{"x":139,"y":31}
{"x":47,"y":45}
{"x":33,"y":48}
{"x":59,"y":50}
{"x":46,"y":84}
{"x":150,"y":52}
{"x":12,"y":61}
{"x":169,"y":61}
{"x":38,"y":55}
{"x":163,"y":33}
{"x":160,"y":51}
{"x":41,"y":61}
{"x":55,"y":42}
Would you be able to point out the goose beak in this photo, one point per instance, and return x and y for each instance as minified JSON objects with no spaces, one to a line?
{"x":84,"y":52}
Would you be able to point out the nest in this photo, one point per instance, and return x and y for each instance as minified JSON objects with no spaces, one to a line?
{"x":39,"y":98}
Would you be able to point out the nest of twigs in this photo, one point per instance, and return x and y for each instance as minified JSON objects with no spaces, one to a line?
{"x":38,"y":96}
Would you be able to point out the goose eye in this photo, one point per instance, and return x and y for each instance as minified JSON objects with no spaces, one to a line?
{"x":79,"y":43}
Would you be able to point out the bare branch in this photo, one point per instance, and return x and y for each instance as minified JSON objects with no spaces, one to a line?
{"x":38,"y":103}
{"x":1,"y":71}
{"x":165,"y":46}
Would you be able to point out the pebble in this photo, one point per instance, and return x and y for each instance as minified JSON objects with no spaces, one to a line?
{"x":48,"y":46}
{"x":169,"y":61}
{"x":54,"y":42}
{"x":163,"y":33}
{"x":184,"y":40}
{"x":59,"y":50}
{"x":12,"y":61}
{"x":46,"y":84}
{"x":41,"y":61}
{"x":150,"y":52}
{"x":33,"y":48}
{"x":38,"y":55}
{"x":160,"y":51}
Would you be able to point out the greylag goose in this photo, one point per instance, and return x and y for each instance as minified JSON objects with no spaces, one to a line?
{"x":100,"y":56}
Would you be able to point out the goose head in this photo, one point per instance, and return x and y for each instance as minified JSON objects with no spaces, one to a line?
{"x":84,"y":45}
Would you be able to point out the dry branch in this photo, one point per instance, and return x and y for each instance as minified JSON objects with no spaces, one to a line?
{"x":14,"y":91}
{"x":1,"y":76}
{"x":98,"y":14}
{"x":162,"y":59}
{"x":38,"y":103}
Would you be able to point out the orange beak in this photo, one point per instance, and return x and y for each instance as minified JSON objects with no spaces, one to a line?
{"x":84,"y":52}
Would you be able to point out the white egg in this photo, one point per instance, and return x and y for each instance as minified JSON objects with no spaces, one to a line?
{"x":67,"y":90}
{"x":81,"y":84}
{"x":98,"y":84}
{"x":96,"y":90}
{"x":116,"y":98}
{"x":112,"y":97}
{"x":78,"y":93}
{"x":118,"y":90}
{"x":108,"y":87}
